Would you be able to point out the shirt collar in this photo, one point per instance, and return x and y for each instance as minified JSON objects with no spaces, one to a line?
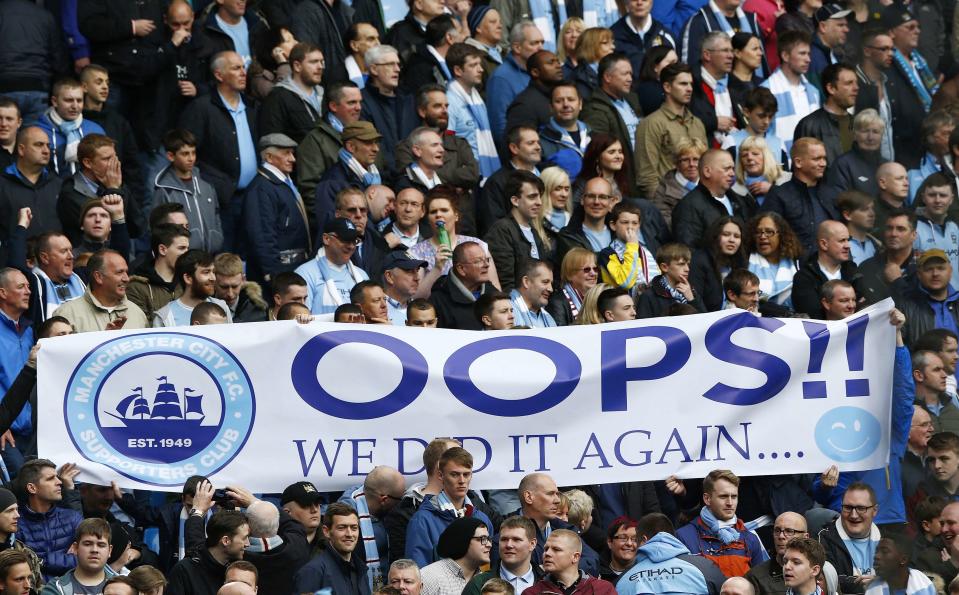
{"x":275,"y":171}
{"x":641,"y":32}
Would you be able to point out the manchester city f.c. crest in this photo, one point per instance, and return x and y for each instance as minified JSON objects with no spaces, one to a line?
{"x":160,"y":407}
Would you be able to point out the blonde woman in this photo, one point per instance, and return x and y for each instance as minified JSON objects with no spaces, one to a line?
{"x":568,"y":36}
{"x":757,"y":169}
{"x":593,"y":45}
{"x":678,"y":182}
{"x":578,"y":274}
{"x":589,"y":313}
{"x":557,"y":200}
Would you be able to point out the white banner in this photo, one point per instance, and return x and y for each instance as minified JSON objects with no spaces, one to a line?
{"x":263,"y":405}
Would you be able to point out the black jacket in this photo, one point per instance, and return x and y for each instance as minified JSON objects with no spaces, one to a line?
{"x":406,"y":36}
{"x":130,"y":59}
{"x":560,"y":309}
{"x":532,"y":107}
{"x":211,"y":39}
{"x":453,"y":308}
{"x":277,"y":566}
{"x":706,"y":281}
{"x":217,"y":150}
{"x":323,"y":24}
{"x":793,"y":200}
{"x":809,"y":279}
{"x":73,"y":195}
{"x":337,"y":177}
{"x":31,"y":50}
{"x":285,"y":111}
{"x":394,"y":117}
{"x":853,"y":170}
{"x":250,"y":306}
{"x":655,"y":301}
{"x":329,"y":569}
{"x":422,"y":69}
{"x":274,"y":224}
{"x":197,"y":574}
{"x":874,"y":285}
{"x":16,"y":192}
{"x":492,"y":204}
{"x":459,"y":164}
{"x":699,"y":209}
{"x":635,"y":47}
{"x":586,"y":80}
{"x":907,"y":116}
{"x":921,"y":317}
{"x":118,"y":128}
{"x":838,"y":555}
{"x":510,"y":250}
{"x":823,"y":125}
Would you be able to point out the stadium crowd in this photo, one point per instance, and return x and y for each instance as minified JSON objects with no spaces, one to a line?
{"x":482,"y":166}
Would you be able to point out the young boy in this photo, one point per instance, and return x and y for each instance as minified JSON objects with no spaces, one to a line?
{"x":893,"y":574}
{"x":181,"y":183}
{"x":802,"y":564}
{"x":670,"y":287}
{"x":494,"y":311}
{"x":103,"y":226}
{"x":625,"y":263}
{"x":927,"y":514}
{"x":758,"y":110}
{"x":933,"y":229}
{"x":92,"y":549}
{"x":859,"y":215}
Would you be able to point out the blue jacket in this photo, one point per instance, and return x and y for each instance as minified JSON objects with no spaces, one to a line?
{"x":928,"y":166}
{"x":58,"y":142}
{"x":51,"y":533}
{"x":394,"y":118}
{"x":334,"y":179}
{"x":664,"y":565}
{"x":14,"y":351}
{"x":673,"y":14}
{"x":275,"y":221}
{"x":330,"y":570}
{"x":702,"y":541}
{"x":945,"y":237}
{"x":886,"y":481}
{"x":424,"y":529}
{"x":506,"y":82}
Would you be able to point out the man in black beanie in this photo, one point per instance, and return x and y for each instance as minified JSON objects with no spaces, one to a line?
{"x":464,"y":547}
{"x":9,"y":514}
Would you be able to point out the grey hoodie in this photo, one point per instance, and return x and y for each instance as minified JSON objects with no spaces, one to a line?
{"x":200,"y":203}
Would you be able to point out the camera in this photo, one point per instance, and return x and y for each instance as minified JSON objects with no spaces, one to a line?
{"x":223,"y":500}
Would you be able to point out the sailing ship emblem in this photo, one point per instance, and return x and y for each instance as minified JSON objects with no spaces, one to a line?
{"x":167,"y":407}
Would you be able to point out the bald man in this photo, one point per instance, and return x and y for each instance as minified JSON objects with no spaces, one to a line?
{"x":767,"y":578}
{"x":799,"y":200}
{"x":381,"y":491}
{"x":737,"y":585}
{"x":278,"y":545}
{"x":832,"y":260}
{"x":561,"y":562}
{"x":893,"y":181}
{"x":31,"y":185}
{"x":710,"y":200}
{"x":236,"y":588}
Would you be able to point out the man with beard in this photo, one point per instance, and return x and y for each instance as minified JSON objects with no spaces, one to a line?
{"x":195,"y":277}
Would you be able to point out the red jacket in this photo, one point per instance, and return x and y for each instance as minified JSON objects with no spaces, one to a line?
{"x":587,"y":585}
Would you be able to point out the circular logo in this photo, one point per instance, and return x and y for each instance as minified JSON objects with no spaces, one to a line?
{"x":160,"y":407}
{"x":848,"y":434}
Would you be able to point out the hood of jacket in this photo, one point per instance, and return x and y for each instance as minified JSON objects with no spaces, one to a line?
{"x":661,"y":547}
{"x":254,"y":293}
{"x":146,"y":273}
{"x":168,"y":179}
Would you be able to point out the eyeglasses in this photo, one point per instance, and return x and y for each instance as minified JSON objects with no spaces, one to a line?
{"x":593,"y":196}
{"x":626,"y":539}
{"x":483,"y":539}
{"x":790,"y":533}
{"x":849,"y":509}
{"x":925,"y":424}
{"x":589,"y":270}
{"x":479,"y":261}
{"x":766,"y":233}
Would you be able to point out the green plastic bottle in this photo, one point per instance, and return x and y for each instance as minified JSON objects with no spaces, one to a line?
{"x":442,"y":235}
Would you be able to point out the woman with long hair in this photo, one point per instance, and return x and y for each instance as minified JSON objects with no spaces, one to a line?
{"x":648,"y":88}
{"x":722,"y":251}
{"x":757,"y":170}
{"x":589,"y":313}
{"x":557,"y":202}
{"x":578,"y":273}
{"x":593,"y":45}
{"x":604,"y":158}
{"x":748,"y":57}
{"x":568,"y":36}
{"x":441,"y":205}
{"x":774,"y":252}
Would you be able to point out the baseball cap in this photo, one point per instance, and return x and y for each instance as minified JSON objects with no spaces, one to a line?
{"x":360,"y":130}
{"x":303,"y":493}
{"x":894,"y":15}
{"x":831,"y":11}
{"x":342,"y":228}
{"x":933,"y":254}
{"x":402,"y":260}
{"x":277,"y":139}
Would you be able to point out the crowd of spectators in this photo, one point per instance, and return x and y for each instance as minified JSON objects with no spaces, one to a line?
{"x":482,"y":166}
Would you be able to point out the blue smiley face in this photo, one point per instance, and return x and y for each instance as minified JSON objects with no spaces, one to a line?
{"x":848,"y":434}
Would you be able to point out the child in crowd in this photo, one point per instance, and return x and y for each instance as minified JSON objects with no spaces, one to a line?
{"x":625,"y":262}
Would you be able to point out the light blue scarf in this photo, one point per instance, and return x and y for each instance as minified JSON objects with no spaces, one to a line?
{"x":921,"y":78}
{"x":726,"y":534}
{"x":368,"y":176}
{"x":443,"y":502}
{"x":374,"y":575}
